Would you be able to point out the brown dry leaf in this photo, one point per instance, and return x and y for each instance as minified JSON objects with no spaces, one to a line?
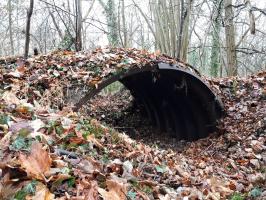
{"x":7,"y":190}
{"x":132,"y":154}
{"x":10,"y":98}
{"x":111,"y":195}
{"x":218,"y":186}
{"x":91,"y":138}
{"x":5,"y":141}
{"x":95,"y":81}
{"x":143,"y":195}
{"x":86,"y":166}
{"x":213,"y":196}
{"x":116,"y":191}
{"x":42,"y":193}
{"x":22,"y":69}
{"x":76,"y":140}
{"x":89,"y":190}
{"x":37,"y":163}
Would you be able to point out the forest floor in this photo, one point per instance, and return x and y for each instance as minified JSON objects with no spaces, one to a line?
{"x":59,"y":154}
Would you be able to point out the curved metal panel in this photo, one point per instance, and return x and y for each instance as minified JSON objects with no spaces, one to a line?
{"x":176,"y":100}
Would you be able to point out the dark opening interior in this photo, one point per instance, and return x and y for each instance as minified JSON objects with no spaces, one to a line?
{"x":173,"y":101}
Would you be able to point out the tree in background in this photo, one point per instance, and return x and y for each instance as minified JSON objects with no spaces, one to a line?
{"x":27,"y":33}
{"x":112,"y":21}
{"x":78,"y":40}
{"x":188,"y":29}
{"x":170,"y":25}
{"x":230,"y":38}
{"x":215,"y":34}
{"x":10,"y":26}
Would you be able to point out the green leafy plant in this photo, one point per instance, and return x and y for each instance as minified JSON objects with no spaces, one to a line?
{"x":21,"y":143}
{"x":160,"y":169}
{"x":54,"y":125}
{"x":4,"y":119}
{"x":88,"y":129}
{"x":147,"y":189}
{"x":131,"y":195}
{"x":237,"y":196}
{"x":255,"y":192}
{"x":71,"y":182}
{"x":29,"y":189}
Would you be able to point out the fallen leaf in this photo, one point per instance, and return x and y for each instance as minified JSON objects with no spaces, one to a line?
{"x":42,"y":193}
{"x":116,"y":191}
{"x":10,"y":98}
{"x":91,"y":138}
{"x":37,"y":163}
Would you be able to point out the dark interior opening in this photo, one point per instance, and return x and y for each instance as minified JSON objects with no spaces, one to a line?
{"x":174,"y":102}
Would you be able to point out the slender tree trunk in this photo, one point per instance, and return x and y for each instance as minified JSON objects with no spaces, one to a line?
{"x":78,"y":43}
{"x":10,"y":27}
{"x":215,"y":51}
{"x":17,"y":24}
{"x":180,"y":34}
{"x":185,"y":33}
{"x":124,"y":24}
{"x":251,"y":18}
{"x":230,"y":39}
{"x":27,"y":40}
{"x":215,"y":63}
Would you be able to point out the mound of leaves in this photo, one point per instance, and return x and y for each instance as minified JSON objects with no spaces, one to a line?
{"x":47,"y":153}
{"x":65,"y":75}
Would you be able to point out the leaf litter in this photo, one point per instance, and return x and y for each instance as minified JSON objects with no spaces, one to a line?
{"x":47,"y":151}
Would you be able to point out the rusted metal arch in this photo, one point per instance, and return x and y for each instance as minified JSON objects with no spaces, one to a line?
{"x":176,"y":100}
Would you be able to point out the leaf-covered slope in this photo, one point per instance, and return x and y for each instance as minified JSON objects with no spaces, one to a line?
{"x":52,"y":154}
{"x":61,"y":71}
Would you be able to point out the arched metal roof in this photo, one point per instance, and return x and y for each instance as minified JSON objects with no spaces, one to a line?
{"x":176,"y":100}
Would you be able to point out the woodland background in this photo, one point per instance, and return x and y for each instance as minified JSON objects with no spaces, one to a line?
{"x":218,"y":37}
{"x":109,"y":150}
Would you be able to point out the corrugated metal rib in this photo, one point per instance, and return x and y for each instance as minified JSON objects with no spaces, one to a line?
{"x":176,"y":101}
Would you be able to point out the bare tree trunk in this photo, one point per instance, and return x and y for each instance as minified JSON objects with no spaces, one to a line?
{"x":10,"y":27}
{"x":230,"y":39}
{"x":17,"y":24}
{"x":182,"y":19}
{"x":124,"y":24}
{"x":251,"y":18}
{"x":215,"y":51}
{"x":78,"y":43}
{"x":27,"y":41}
{"x":185,"y":32}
